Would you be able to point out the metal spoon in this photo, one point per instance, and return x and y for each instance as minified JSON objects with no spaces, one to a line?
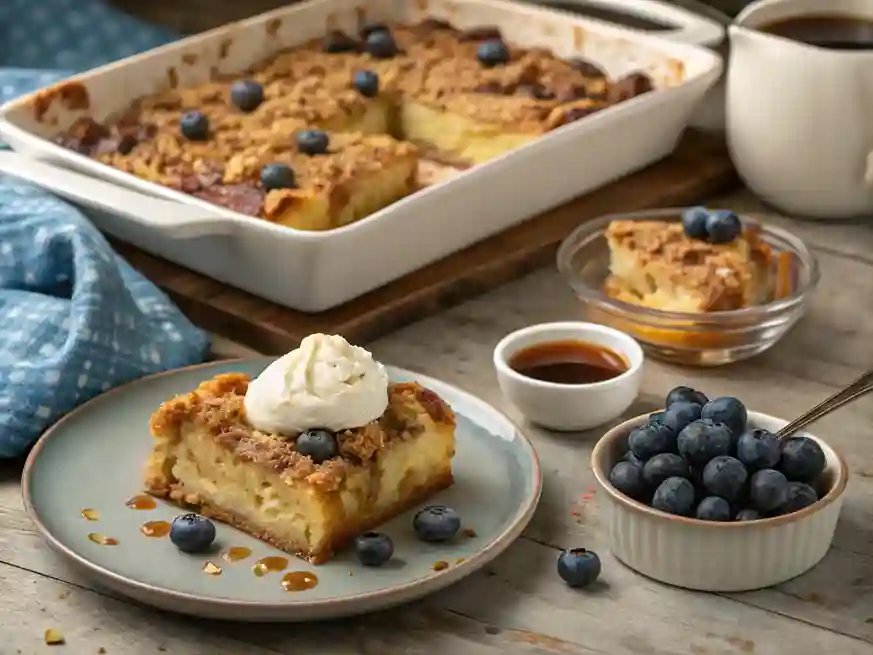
{"x":856,"y":389}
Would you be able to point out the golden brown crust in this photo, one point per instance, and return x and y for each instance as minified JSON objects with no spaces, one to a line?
{"x":339,"y":537}
{"x":308,"y":88}
{"x":723,"y":275}
{"x":218,"y":405}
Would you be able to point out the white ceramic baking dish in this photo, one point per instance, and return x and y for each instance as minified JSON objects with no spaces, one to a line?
{"x":312,"y":271}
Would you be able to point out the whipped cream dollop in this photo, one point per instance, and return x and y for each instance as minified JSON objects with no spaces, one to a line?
{"x":326,"y":383}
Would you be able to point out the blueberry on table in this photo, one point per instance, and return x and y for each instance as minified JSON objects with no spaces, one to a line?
{"x":674,"y":496}
{"x":278,"y":176}
{"x":758,"y":449}
{"x":247,"y":95}
{"x":436,"y":523}
{"x":319,"y":445}
{"x":194,"y":126}
{"x":694,"y":222}
{"x":748,"y":515}
{"x":651,"y":439}
{"x":723,"y":227}
{"x":192,"y":533}
{"x":380,"y":44}
{"x":703,"y":440}
{"x":628,"y":479}
{"x":713,"y":508}
{"x":492,"y":53}
{"x":663,"y":466}
{"x":725,"y":476}
{"x":685,"y":395}
{"x":768,"y":490}
{"x":803,"y":460}
{"x":337,"y":41}
{"x":373,"y":548}
{"x":578,"y":567}
{"x":797,"y":496}
{"x":727,"y":410}
{"x":366,"y":83}
{"x":312,"y":142}
{"x":679,"y":414}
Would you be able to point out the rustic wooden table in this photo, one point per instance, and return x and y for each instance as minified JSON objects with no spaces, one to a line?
{"x":518,"y":604}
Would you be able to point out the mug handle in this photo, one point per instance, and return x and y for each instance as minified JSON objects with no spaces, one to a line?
{"x":174,"y":219}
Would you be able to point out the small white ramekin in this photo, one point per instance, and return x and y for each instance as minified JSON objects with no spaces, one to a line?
{"x":569,"y":407}
{"x":711,"y":555}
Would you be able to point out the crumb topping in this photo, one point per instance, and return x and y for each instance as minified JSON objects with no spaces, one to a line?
{"x":726,"y":275}
{"x":308,"y":88}
{"x":218,"y":405}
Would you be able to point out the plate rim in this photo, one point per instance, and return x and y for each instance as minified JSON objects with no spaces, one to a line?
{"x":380,"y":597}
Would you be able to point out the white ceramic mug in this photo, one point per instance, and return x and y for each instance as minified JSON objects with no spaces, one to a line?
{"x":799,"y":116}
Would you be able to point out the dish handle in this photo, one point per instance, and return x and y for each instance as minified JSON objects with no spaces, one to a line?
{"x":171,"y":218}
{"x":694,"y":22}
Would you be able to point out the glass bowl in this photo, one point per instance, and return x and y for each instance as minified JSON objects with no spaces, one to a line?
{"x":697,"y":339}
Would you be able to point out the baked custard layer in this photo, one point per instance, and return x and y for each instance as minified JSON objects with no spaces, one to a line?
{"x":208,"y":457}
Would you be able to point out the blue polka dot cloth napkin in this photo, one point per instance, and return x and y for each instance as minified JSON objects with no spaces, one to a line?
{"x":75,"y":319}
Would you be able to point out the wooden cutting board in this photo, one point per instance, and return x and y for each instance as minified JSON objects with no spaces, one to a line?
{"x":699,"y":169}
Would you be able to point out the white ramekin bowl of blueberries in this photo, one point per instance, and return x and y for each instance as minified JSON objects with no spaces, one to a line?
{"x":704,"y":495}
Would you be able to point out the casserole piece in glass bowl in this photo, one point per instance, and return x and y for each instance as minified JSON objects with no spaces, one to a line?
{"x":689,"y":301}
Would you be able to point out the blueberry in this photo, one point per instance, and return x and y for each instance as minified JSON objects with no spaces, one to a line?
{"x":380,"y":44}
{"x":674,"y":496}
{"x":312,"y":142}
{"x":748,"y":515}
{"x":694,"y":222}
{"x":192,"y":533}
{"x":194,"y":126}
{"x":320,"y":445}
{"x":726,"y":477}
{"x":373,"y":548}
{"x":436,"y":523}
{"x":685,"y":395}
{"x":492,"y":53}
{"x":663,"y":466}
{"x":578,"y":567}
{"x":629,"y":456}
{"x":729,"y":411}
{"x":758,"y":449}
{"x":797,"y":496}
{"x":278,"y":176}
{"x":656,"y":417}
{"x":337,"y":41}
{"x":702,"y":440}
{"x":768,"y":490}
{"x":723,"y":227}
{"x":366,"y":83}
{"x":651,"y":439}
{"x":246,"y":94}
{"x":679,"y":414}
{"x":713,"y":508}
{"x":628,"y":479}
{"x":803,"y":460}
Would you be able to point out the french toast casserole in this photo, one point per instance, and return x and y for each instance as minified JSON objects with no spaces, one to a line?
{"x":328,"y":132}
{"x":655,"y":264}
{"x":207,"y":454}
